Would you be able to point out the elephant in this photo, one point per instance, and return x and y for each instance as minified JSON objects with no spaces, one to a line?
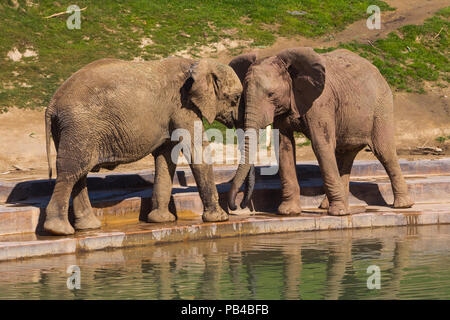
{"x":339,"y":100}
{"x":112,"y":112}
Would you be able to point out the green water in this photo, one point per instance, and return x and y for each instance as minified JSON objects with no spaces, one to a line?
{"x":414,"y":263}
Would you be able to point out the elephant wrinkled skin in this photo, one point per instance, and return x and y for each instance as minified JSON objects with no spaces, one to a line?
{"x":339,"y":100}
{"x":112,"y":112}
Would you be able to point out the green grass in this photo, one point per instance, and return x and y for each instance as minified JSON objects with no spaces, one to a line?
{"x":412,"y":54}
{"x":115,"y":29}
{"x":219,"y":126}
{"x":304,"y":144}
{"x":442,"y":139}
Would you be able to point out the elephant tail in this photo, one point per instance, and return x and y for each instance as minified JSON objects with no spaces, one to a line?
{"x":48,"y":134}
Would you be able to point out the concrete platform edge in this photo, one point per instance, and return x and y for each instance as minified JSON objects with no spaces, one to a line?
{"x":237,"y":226}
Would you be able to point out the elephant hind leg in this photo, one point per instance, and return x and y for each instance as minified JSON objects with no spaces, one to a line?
{"x":57,"y":219}
{"x":383,"y":146}
{"x":69,"y":171}
{"x":84,"y":216}
{"x":345,"y":163}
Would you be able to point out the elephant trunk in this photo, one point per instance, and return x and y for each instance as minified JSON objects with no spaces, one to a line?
{"x":246,"y":170}
{"x":241,"y":174}
{"x":249,"y":186}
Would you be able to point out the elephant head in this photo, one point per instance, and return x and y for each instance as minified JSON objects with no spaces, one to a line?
{"x":285,"y":84}
{"x":215,"y":90}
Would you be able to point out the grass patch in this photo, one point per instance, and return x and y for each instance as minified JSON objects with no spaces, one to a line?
{"x":442,"y":139}
{"x":412,"y":54}
{"x":116,"y":29}
{"x":299,"y":135}
{"x":219,"y":126}
{"x":304,"y":144}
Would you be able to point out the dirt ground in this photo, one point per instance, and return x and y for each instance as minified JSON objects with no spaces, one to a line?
{"x":420,"y":118}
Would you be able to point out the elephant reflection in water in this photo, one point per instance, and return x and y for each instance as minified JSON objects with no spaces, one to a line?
{"x":340,"y":257}
{"x":206,"y":264}
{"x":400,"y":263}
{"x":227,"y":269}
{"x":292,"y":271}
{"x":385,"y":249}
{"x":160,"y":267}
{"x":235,"y":263}
{"x":173,"y":266}
{"x":400,"y":260}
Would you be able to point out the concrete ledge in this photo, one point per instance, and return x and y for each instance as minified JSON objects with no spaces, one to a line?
{"x":18,"y":219}
{"x":12,"y":192}
{"x":25,"y":249}
{"x":141,"y":234}
{"x":114,"y":208}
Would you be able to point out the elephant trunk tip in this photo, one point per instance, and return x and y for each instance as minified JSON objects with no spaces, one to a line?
{"x":232,"y":198}
{"x":249,"y":187}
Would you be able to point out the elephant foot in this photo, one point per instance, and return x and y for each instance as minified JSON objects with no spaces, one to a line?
{"x":86,"y":222}
{"x":159,"y":216}
{"x":338,"y":208}
{"x":215,"y":216}
{"x":290,"y":207}
{"x":403,"y":202}
{"x":324,"y":204}
{"x":351,"y":210}
{"x":58,"y":226}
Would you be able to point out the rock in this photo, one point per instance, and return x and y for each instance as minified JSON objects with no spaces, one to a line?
{"x":427,"y":150}
{"x":14,"y":3}
{"x":19,"y":168}
{"x":14,"y":55}
{"x":297,"y":13}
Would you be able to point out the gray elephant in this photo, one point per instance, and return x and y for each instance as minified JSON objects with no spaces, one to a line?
{"x":339,"y":100}
{"x":113,"y":112}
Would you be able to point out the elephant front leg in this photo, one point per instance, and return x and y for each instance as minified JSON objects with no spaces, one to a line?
{"x":323,"y":142}
{"x":203,"y":173}
{"x":204,"y":177}
{"x":290,"y":189}
{"x":162,"y":188}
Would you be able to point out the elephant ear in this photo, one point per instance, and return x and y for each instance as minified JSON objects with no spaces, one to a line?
{"x":241,"y":63}
{"x":307,"y":71}
{"x":205,"y":89}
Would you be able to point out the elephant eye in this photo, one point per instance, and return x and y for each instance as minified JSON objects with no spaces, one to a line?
{"x":271,"y":94}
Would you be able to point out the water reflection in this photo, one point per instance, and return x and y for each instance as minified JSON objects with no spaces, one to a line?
{"x":308,"y":265}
